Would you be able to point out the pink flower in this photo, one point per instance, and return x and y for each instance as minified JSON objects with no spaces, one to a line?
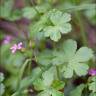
{"x":16,"y":47}
{"x":92,"y":72}
{"x":7,"y":39}
{"x":13,"y":48}
{"x":19,"y":46}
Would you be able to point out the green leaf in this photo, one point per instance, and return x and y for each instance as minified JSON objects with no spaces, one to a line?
{"x":29,"y":12}
{"x":57,"y":93}
{"x":15,"y":59}
{"x":45,"y":57}
{"x":57,"y":15}
{"x":10,"y":64}
{"x":68,"y":71}
{"x":37,"y":27}
{"x":54,"y":30}
{"x":69,"y":48}
{"x":44,"y":93}
{"x":77,"y":91}
{"x":71,"y":60}
{"x":81,"y":69}
{"x":64,"y":29}
{"x":39,"y":85}
{"x":30,"y":79}
{"x":12,"y":82}
{"x":92,"y":84}
{"x":48,"y":76}
{"x":58,"y":85}
{"x":25,"y":82}
{"x":66,"y":53}
{"x":9,"y":59}
{"x":83,"y":54}
{"x":53,"y":33}
{"x":58,"y":58}
{"x":1,"y":77}
{"x":44,"y":24}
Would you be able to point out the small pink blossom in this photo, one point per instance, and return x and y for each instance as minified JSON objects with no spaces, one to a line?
{"x":16,"y":47}
{"x":13,"y":48}
{"x":7,"y":39}
{"x":19,"y":45}
{"x":92,"y":72}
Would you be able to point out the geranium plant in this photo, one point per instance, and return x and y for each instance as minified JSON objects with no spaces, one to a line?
{"x":46,"y":51}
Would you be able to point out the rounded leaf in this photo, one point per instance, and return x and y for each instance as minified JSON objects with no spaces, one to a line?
{"x":65,"y":28}
{"x":81,"y":69}
{"x":69,"y":48}
{"x":83,"y":54}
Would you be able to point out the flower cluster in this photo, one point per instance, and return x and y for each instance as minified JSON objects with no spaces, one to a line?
{"x":16,"y":47}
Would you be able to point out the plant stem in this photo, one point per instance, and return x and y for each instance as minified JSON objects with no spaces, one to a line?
{"x":58,"y":72}
{"x":21,"y":72}
{"x":82,"y":30}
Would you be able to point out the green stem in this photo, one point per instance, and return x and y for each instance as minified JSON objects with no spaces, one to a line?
{"x":58,"y":75}
{"x":74,"y":8}
{"x":82,"y":29}
{"x":22,"y":71}
{"x":29,"y":68}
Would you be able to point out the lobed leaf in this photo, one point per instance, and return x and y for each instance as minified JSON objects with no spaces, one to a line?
{"x":71,"y":60}
{"x":48,"y":76}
